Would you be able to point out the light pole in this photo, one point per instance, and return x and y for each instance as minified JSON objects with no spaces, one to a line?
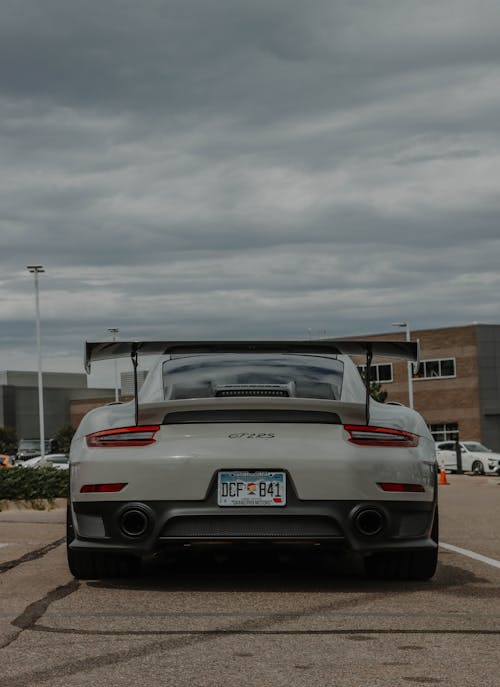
{"x":114,"y":331}
{"x":36,"y":270}
{"x":406,"y":326}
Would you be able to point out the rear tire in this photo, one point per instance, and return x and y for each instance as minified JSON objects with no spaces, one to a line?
{"x":405,"y":565}
{"x":91,"y":565}
{"x":402,"y":565}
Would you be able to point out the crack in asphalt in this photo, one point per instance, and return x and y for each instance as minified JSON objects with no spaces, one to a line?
{"x":34,"y":611}
{"x":222,"y":632}
{"x":172,"y":640}
{"x":37,"y":609}
{"x":31,"y":555}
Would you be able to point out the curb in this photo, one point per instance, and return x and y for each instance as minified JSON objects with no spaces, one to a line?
{"x":35,"y":504}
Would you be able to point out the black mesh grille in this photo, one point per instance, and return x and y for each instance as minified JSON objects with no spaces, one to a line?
{"x":249,"y":526}
{"x":252,"y":392}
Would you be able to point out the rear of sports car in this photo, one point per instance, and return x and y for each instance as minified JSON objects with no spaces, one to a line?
{"x":253,"y":452}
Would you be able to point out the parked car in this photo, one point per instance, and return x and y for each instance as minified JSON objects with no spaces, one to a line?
{"x":55,"y":460}
{"x":253,"y":443}
{"x":476,"y":458}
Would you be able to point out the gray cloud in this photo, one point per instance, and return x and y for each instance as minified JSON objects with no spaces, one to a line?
{"x":266,"y":168}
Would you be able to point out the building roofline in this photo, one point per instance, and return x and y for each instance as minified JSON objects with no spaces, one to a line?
{"x":392,"y":332}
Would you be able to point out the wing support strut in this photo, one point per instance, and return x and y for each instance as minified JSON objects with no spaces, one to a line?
{"x":369,"y":357}
{"x":135,"y":362}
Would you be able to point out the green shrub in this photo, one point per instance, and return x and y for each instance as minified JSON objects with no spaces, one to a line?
{"x":30,"y":484}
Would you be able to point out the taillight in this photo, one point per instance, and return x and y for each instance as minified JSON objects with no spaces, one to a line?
{"x":102,"y":488}
{"x":401,"y":487}
{"x":365,"y":435}
{"x":122,"y":437}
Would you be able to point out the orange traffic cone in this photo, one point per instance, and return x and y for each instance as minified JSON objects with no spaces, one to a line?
{"x":442,"y":477}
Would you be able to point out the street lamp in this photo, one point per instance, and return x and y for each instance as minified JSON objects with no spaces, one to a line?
{"x":36,"y":270}
{"x":114,"y":331}
{"x":406,"y":326}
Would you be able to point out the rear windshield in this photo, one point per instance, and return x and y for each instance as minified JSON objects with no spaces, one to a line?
{"x":299,"y":376}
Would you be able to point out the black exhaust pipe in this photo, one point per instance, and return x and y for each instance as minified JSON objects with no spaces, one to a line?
{"x":369,"y":521}
{"x":134,"y":522}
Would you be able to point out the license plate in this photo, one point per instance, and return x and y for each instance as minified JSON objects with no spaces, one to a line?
{"x":244,"y":488}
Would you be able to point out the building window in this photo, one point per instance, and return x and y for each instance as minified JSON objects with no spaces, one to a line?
{"x":444,"y":432}
{"x":380,"y":372}
{"x":433,"y":369}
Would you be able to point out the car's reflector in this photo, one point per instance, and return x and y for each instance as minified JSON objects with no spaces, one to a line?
{"x":366,"y":435}
{"x":102,"y":488}
{"x":399,"y":487}
{"x":122,"y":437}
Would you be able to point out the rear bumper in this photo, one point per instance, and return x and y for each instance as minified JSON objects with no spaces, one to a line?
{"x":145,"y":527}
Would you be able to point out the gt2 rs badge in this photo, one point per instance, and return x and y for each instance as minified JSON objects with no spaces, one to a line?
{"x":251,"y":435}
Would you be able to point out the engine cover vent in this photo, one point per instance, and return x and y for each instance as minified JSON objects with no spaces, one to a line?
{"x":224,"y":390}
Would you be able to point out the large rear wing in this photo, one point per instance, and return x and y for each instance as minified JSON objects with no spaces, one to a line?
{"x":106,"y":350}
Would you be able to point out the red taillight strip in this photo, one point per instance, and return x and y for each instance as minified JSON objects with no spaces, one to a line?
{"x":366,"y":435}
{"x":121,"y":437}
{"x":400,"y":487}
{"x":101,"y":488}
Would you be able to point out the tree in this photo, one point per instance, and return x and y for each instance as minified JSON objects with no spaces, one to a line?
{"x":8,"y":440}
{"x":63,"y":438}
{"x":376,"y":391}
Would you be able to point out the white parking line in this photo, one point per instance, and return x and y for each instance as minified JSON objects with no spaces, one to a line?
{"x":471,"y":554}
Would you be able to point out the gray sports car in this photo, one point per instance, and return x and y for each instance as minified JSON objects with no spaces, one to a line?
{"x":253,"y":443}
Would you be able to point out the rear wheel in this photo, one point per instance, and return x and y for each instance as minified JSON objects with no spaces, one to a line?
{"x":405,"y":565}
{"x":402,"y":565}
{"x":477,"y":467}
{"x":91,"y":565}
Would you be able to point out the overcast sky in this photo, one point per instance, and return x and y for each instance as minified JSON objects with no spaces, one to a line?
{"x":245,"y":168}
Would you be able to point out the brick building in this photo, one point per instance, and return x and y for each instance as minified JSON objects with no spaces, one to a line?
{"x":456,"y":389}
{"x":457,"y":386}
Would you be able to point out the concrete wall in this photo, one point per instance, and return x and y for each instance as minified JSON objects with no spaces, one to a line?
{"x":27,"y":414}
{"x":19,"y":400}
{"x":52,"y":380}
